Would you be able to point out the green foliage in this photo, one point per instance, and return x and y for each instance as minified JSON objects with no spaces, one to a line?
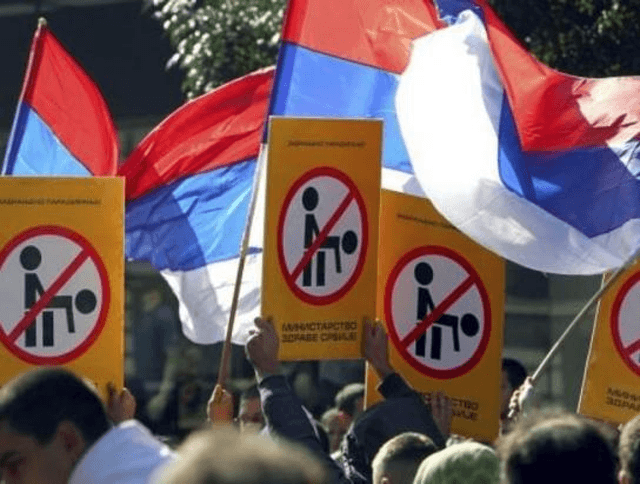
{"x":219,"y":40}
{"x":592,"y":38}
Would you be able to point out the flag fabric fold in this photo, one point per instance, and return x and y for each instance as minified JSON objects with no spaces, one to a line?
{"x":343,"y":58}
{"x":62,"y":124}
{"x":188,"y":187}
{"x":538,"y":166}
{"x":187,"y":198}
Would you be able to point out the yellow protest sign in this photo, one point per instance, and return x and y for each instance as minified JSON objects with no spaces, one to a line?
{"x":442,"y":299}
{"x":321,"y":234}
{"x":610,"y":387}
{"x":62,"y":276}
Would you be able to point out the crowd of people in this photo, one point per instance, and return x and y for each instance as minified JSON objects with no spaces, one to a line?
{"x":55,"y":429}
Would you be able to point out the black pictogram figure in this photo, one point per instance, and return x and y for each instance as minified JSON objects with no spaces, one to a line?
{"x":469,"y":324}
{"x":423,"y":273}
{"x":85,"y":300}
{"x":348,"y":244}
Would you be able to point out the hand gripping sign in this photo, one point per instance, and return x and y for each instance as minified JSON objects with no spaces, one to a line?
{"x":321,"y":234}
{"x":441,"y":297}
{"x":62,"y":276}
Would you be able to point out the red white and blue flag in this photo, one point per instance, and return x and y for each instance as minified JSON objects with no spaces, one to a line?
{"x":188,"y":187}
{"x":542,"y":171}
{"x":337,"y":59}
{"x":62,"y":124}
{"x":538,"y":166}
{"x":342,"y":59}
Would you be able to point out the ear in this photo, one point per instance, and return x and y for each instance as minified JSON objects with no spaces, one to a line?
{"x":70,"y":439}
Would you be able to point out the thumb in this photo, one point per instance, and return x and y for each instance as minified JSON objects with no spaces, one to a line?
{"x":264,"y":324}
{"x":218,"y":391}
{"x":260,"y":323}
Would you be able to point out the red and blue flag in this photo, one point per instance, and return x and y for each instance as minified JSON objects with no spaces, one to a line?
{"x":62,"y":124}
{"x":343,"y":59}
{"x":188,"y":187}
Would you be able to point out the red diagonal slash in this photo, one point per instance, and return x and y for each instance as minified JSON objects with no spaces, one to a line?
{"x":632,"y":348}
{"x":438,"y":311}
{"x":310,"y":252}
{"x":48,"y":295}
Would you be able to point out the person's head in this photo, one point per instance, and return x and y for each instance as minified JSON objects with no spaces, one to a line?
{"x":468,"y":462}
{"x":350,"y":399}
{"x":48,"y":418}
{"x":250,"y":410}
{"x":226,"y":456}
{"x":381,"y":422}
{"x":629,"y":452}
{"x":557,"y":447}
{"x":513,"y":375}
{"x":398,"y":459}
{"x":336,"y":425}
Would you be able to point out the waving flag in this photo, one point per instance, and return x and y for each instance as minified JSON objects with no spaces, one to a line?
{"x":62,"y":125}
{"x":342,"y":59}
{"x":538,"y":166}
{"x":188,"y":185}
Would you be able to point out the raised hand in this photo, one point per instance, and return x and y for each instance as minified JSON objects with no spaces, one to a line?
{"x":376,"y":347}
{"x":262,"y":348}
{"x":121,"y":406}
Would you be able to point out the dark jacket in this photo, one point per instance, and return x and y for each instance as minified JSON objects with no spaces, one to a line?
{"x":403,"y":410}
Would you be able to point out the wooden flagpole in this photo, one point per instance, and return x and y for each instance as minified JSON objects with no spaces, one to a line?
{"x":225,"y":365}
{"x":527,"y":387}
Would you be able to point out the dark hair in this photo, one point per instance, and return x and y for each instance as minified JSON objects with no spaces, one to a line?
{"x":347,"y":397}
{"x":558,"y":447}
{"x":407,"y":450}
{"x":516,"y":372}
{"x":629,"y":449}
{"x":36,"y":402}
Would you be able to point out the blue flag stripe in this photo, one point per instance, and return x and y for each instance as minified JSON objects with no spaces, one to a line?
{"x":592,"y":189}
{"x":314,"y":84}
{"x":192,"y":222}
{"x":35,"y":150}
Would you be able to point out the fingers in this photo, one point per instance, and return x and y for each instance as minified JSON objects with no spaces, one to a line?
{"x":373,"y":329}
{"x":220,"y":406}
{"x":128,"y":402}
{"x":121,"y":405}
{"x":216,"y":396}
{"x":111,"y":393}
{"x":264,"y":324}
{"x":519,"y":398}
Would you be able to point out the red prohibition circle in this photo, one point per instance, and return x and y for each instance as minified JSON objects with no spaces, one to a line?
{"x":343,"y":178}
{"x":104,"y":282}
{"x":393,"y":332}
{"x":615,"y":321}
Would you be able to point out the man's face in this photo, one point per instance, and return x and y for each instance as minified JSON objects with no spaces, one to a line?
{"x":250,"y":414}
{"x":23,"y":460}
